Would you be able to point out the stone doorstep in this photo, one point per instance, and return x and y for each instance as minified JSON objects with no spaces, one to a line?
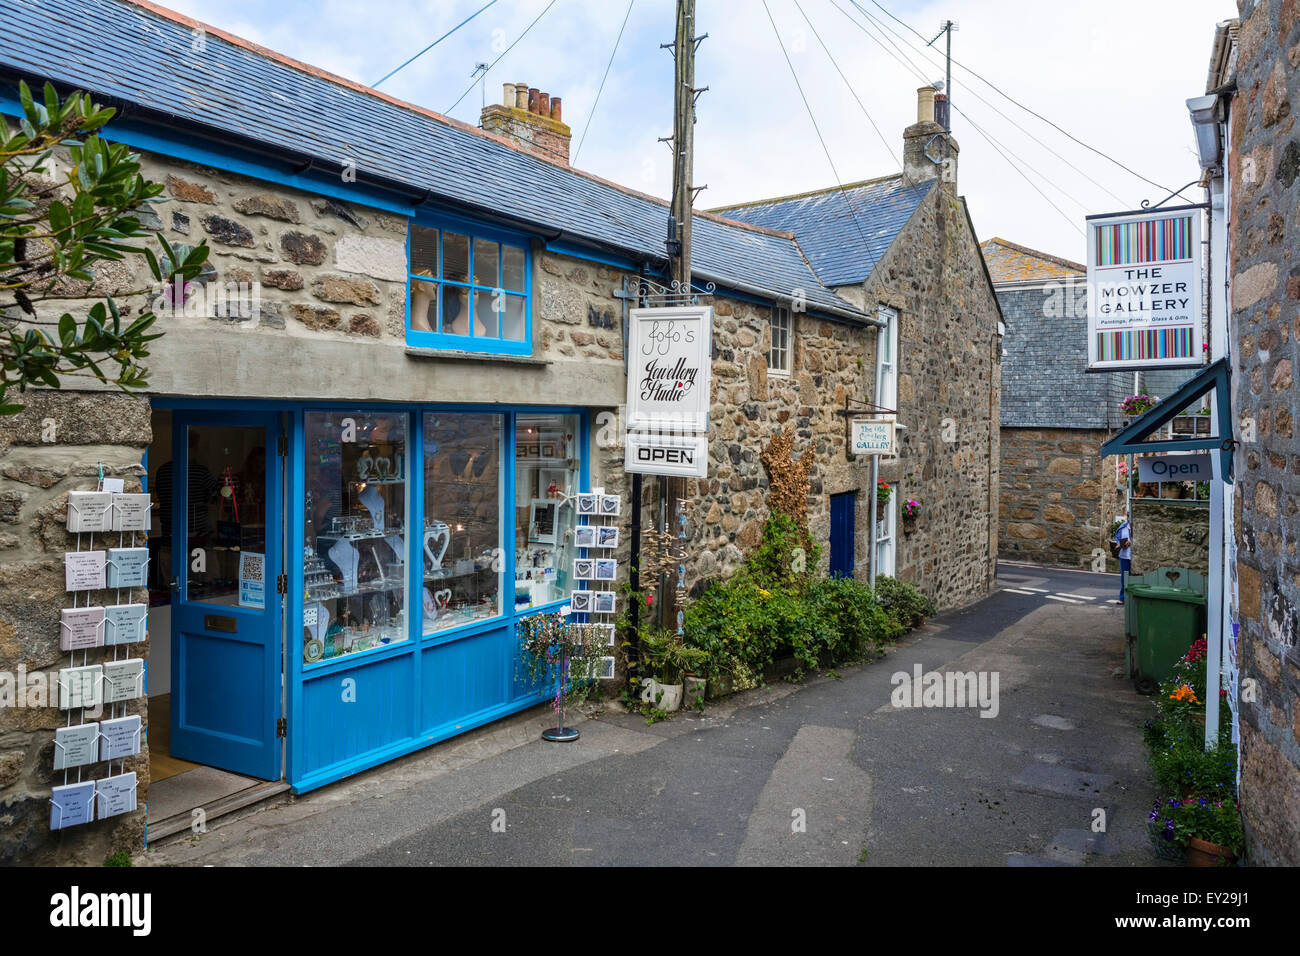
{"x":227,"y":809}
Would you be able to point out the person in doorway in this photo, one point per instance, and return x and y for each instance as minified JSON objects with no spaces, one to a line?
{"x":1124,"y":551}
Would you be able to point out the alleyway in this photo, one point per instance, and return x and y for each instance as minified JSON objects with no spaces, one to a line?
{"x":873,"y":784}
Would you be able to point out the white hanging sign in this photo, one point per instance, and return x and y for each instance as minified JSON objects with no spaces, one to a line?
{"x":115,"y":795}
{"x":1144,"y":290}
{"x":76,"y":746}
{"x":130,"y":512}
{"x":123,"y":680}
{"x":651,"y":453}
{"x":128,"y":567}
{"x":89,"y":511}
{"x":80,"y":628}
{"x":669,"y":360}
{"x":120,"y":738}
{"x":83,"y":570}
{"x":71,"y":804}
{"x":125,"y":623}
{"x":871,"y":436}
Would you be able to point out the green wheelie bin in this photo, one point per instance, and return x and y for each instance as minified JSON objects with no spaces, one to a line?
{"x":1168,"y":620}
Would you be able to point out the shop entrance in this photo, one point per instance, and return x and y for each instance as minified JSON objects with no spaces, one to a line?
{"x":225,"y":500}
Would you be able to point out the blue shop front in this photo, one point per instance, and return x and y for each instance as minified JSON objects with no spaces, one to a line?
{"x":338,"y":585}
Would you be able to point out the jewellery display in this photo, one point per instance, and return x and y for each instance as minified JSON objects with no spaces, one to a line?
{"x":354,"y":566}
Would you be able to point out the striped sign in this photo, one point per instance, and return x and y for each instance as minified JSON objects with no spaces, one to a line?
{"x":1149,"y":344}
{"x":1150,"y":240}
{"x":1145,"y":295}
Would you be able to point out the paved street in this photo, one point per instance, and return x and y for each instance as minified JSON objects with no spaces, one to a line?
{"x":827,"y":772}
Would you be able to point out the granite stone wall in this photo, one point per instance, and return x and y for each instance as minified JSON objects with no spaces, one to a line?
{"x":1264,"y":172}
{"x":56,"y":445}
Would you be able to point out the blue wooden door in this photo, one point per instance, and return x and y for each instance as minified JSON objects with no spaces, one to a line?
{"x":842,"y":535}
{"x":224,"y":486}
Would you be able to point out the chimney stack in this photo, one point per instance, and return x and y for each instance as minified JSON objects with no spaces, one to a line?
{"x":531,"y":119}
{"x":928,"y":151}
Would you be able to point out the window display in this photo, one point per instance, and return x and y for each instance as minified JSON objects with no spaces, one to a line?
{"x":355,"y":555}
{"x":461,"y":540}
{"x":546,"y":483}
{"x":469,"y":287}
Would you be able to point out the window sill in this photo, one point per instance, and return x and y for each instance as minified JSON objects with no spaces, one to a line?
{"x":418,"y":352}
{"x":779,"y":372}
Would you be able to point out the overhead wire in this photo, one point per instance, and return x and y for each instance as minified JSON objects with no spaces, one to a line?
{"x":503,"y":53}
{"x":972,"y":92}
{"x":835,"y":172}
{"x":434,"y":43}
{"x":596,"y":103}
{"x":889,"y":149}
{"x":1001,"y":152}
{"x":1032,"y":112}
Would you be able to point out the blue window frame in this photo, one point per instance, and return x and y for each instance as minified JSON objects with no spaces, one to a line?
{"x":469,"y":288}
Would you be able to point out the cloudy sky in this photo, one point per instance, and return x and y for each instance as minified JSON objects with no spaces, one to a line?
{"x":1113,"y":73}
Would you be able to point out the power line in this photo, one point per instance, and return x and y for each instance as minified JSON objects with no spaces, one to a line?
{"x":835,"y":172}
{"x":435,"y":42}
{"x":1033,"y":113}
{"x":889,"y":149}
{"x":603,"y":79}
{"x":992,"y":143}
{"x":977,"y":96}
{"x":498,"y":59}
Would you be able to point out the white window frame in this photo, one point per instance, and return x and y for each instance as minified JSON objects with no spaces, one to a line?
{"x":779,"y":356}
{"x":887,"y":361}
{"x":886,"y":535}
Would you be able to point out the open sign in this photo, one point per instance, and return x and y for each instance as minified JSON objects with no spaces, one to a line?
{"x":1175,"y":468}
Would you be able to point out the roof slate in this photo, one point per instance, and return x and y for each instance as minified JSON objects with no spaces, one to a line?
{"x":118,"y":49}
{"x":1009,"y":262}
{"x":844,"y":232}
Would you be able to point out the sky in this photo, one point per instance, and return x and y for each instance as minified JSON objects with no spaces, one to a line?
{"x":1113,"y":73}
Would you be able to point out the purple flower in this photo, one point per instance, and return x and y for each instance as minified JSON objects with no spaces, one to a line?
{"x":1168,"y":832}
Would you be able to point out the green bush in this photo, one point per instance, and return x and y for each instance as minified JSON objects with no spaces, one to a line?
{"x":854,"y":617}
{"x":904,"y":603}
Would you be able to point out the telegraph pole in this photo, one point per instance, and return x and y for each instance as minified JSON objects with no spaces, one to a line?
{"x":673,"y":490}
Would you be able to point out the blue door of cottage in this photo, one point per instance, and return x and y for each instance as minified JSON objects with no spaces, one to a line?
{"x":224,"y":488}
{"x":842,"y":534}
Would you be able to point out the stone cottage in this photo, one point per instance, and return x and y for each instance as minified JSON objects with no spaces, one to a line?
{"x":1059,"y":496}
{"x":366,"y":425}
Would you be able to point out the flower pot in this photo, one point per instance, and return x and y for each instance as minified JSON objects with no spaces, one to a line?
{"x":1203,"y":853}
{"x":880,"y":509}
{"x":665,"y":697}
{"x":909,"y":524}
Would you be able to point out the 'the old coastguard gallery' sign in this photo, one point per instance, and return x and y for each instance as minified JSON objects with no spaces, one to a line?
{"x":669,"y":359}
{"x":1144,"y":290}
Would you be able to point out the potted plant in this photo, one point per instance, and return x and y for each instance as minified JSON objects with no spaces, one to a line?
{"x":666,"y":659}
{"x":551,"y":648}
{"x":1135,"y":405}
{"x":911,"y":508}
{"x":883,"y":494}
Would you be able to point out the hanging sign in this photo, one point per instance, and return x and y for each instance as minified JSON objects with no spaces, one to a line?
{"x":669,"y":355}
{"x":871,"y":436}
{"x":1175,"y":468}
{"x":668,"y":382}
{"x":1144,"y":290}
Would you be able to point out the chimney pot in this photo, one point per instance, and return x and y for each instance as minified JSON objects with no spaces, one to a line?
{"x":507,"y":94}
{"x":534,"y":94}
{"x":544,"y":104}
{"x":925,"y":104}
{"x":555,"y":109}
{"x":521,"y":96}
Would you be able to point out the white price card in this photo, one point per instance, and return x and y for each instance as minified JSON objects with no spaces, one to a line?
{"x":89,"y":511}
{"x":81,"y":686}
{"x":115,"y":795}
{"x":76,"y":746}
{"x":125,"y":623}
{"x":80,"y":628}
{"x":119,"y":738}
{"x":130,"y":512}
{"x":113,"y":485}
{"x":71,"y":804}
{"x":83,"y":570}
{"x":123,"y":680}
{"x":128,"y":567}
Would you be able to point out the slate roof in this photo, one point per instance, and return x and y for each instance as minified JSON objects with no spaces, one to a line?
{"x":844,"y":232}
{"x":142,"y":55}
{"x":1009,"y":262}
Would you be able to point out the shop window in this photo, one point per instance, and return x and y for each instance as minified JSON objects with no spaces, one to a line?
{"x":546,"y":476}
{"x":468,"y":290}
{"x":356,"y":508}
{"x":778,"y":353}
{"x":460,"y":543}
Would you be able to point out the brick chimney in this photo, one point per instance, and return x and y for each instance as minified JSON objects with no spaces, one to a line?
{"x":929,"y":152}
{"x":530,"y":118}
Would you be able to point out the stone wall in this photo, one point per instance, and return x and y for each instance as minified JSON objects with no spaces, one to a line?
{"x":54,"y":446}
{"x":1058,"y":496}
{"x":1264,"y":172}
{"x":949,"y":394}
{"x":1167,"y":535}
